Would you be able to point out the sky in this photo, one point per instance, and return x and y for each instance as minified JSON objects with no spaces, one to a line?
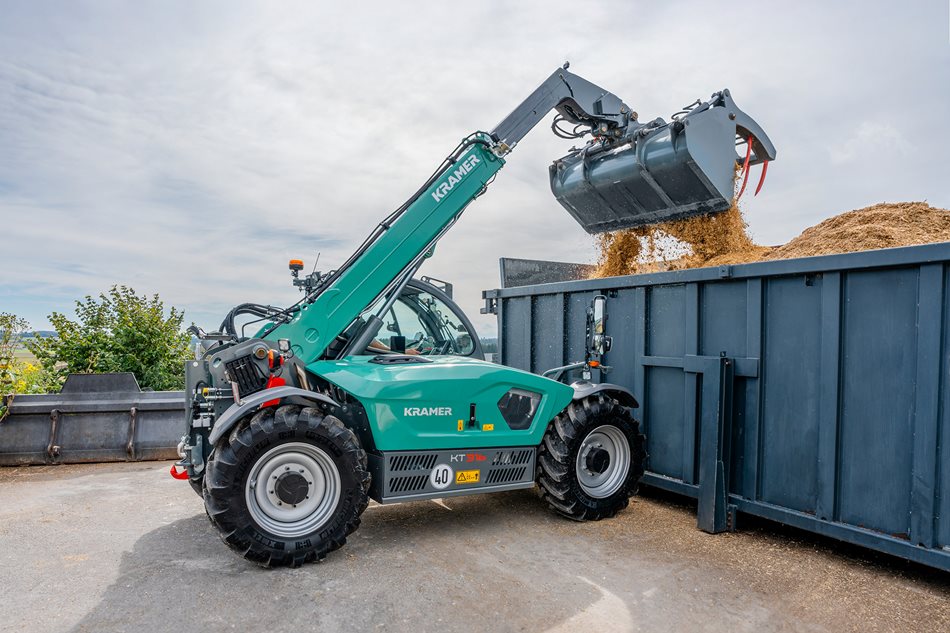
{"x":190,"y":149}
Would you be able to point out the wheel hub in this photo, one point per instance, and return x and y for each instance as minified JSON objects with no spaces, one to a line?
{"x":603,"y":461}
{"x":597,"y":460}
{"x":292,"y":487}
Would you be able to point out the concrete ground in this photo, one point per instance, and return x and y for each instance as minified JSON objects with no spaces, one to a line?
{"x":123,"y":547}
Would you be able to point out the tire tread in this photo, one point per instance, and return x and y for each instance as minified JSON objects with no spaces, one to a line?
{"x":556,"y":476}
{"x":223,"y":490}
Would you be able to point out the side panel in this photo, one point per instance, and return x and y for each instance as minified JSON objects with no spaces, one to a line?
{"x":429,"y":405}
{"x":664,"y":410}
{"x":789,"y":431}
{"x":664,"y":407}
{"x":548,"y":351}
{"x":516,"y":340}
{"x":723,"y":325}
{"x":410,"y":475}
{"x":877,"y":399}
{"x":942,"y":471}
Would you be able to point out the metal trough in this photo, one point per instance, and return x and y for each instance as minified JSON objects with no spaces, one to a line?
{"x":94,"y":418}
{"x":814,"y":392}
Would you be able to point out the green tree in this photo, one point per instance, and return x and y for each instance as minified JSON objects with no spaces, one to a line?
{"x":118,"y":331}
{"x":12,"y":329}
{"x":16,"y":374}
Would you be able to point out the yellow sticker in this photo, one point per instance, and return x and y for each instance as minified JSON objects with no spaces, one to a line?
{"x":467,"y":476}
{"x":488,"y":427}
{"x":461,"y":425}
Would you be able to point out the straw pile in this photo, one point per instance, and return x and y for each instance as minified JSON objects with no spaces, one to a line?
{"x":723,"y":238}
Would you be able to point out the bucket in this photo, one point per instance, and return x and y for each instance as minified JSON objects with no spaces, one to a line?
{"x":660,"y":171}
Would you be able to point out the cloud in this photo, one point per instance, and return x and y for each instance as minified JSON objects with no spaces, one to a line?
{"x":190,"y":150}
{"x":877,"y":138}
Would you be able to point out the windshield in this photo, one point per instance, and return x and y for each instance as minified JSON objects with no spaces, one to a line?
{"x":420,"y":323}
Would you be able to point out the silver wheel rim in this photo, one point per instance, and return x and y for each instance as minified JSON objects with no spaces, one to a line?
{"x":275,"y":513}
{"x":607,"y":438}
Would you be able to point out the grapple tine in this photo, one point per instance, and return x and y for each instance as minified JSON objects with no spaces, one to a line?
{"x":745,"y":167}
{"x":765,"y":168}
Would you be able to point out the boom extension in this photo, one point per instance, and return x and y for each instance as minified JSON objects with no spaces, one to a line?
{"x":576,"y":99}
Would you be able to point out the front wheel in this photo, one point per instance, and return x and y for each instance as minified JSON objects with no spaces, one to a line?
{"x":287,"y":486}
{"x":591,"y":459}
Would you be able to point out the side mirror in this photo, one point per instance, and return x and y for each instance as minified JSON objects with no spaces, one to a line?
{"x":597,"y":337}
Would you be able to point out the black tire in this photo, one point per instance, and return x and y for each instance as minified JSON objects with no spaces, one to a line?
{"x":197,"y":484}
{"x":558,"y":479}
{"x":233,"y":460}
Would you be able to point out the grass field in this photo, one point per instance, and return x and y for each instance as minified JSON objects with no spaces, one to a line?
{"x":24,"y":354}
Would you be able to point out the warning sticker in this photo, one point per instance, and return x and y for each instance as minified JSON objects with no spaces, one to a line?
{"x":467,"y":476}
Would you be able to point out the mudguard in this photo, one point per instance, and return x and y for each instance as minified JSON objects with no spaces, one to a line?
{"x":583,"y":388}
{"x":236,"y":411}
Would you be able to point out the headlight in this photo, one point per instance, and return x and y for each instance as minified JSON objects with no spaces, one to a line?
{"x":518,"y":407}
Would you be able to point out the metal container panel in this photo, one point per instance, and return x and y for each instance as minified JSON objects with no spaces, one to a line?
{"x":836,"y":411}
{"x":789,"y":428}
{"x":878,"y":374}
{"x":95,"y":418}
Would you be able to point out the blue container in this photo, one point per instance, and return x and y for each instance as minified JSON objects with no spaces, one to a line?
{"x":813,"y":392}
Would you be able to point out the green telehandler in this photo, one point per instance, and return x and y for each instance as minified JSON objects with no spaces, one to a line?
{"x":292,"y":429}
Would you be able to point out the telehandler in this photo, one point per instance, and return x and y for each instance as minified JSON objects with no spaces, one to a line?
{"x":292,"y":430}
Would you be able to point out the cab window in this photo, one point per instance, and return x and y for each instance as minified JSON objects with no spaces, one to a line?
{"x":428,"y":325}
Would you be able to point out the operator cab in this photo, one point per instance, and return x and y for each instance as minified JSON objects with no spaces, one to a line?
{"x":424,"y":321}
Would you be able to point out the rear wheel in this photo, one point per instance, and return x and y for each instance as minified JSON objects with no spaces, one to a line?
{"x":287,"y":486}
{"x":591,"y":459}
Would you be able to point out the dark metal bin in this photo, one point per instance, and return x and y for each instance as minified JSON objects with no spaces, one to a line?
{"x":813,"y":392}
{"x":95,"y":418}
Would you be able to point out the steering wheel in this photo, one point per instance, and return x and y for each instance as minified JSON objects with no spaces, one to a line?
{"x":423,"y":344}
{"x":444,"y":347}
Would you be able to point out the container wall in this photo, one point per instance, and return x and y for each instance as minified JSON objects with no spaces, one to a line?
{"x":878,"y":374}
{"x":838,"y":420}
{"x":790,"y":394}
{"x":942,"y":450}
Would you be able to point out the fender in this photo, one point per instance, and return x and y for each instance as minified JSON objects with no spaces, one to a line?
{"x":583,"y":388}
{"x":237,"y":411}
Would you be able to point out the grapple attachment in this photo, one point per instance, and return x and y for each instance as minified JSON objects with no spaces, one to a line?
{"x":661,"y":171}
